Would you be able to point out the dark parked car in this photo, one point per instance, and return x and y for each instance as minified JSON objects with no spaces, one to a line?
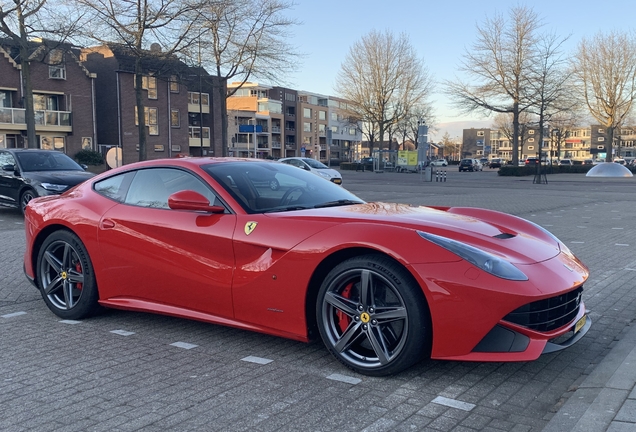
{"x":495,"y":163}
{"x":29,"y":173}
{"x":470,"y":165}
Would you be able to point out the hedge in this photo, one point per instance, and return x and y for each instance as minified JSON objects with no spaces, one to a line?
{"x":520,"y":171}
{"x":89,"y":157}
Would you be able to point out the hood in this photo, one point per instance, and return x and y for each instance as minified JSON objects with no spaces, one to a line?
{"x":70,"y":178}
{"x":494,"y":232}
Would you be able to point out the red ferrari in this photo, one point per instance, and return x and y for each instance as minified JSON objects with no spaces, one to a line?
{"x":269,"y":247}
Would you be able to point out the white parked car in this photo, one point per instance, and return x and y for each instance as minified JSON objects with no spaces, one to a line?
{"x":315,"y":167}
{"x":439,"y":162}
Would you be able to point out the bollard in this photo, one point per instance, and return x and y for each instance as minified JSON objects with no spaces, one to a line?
{"x":436,"y":176}
{"x":444,"y":176}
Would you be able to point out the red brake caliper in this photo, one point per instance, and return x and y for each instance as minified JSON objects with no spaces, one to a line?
{"x":78,"y":268}
{"x":343,"y":319}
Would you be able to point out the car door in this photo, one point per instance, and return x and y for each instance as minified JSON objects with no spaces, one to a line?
{"x":178,"y":258}
{"x":9,"y":183}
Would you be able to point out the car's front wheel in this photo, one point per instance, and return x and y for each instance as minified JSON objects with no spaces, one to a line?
{"x":65,"y":276}
{"x":373,"y":317}
{"x":25,"y":197}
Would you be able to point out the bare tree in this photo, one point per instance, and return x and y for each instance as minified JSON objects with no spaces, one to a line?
{"x":246,"y":39}
{"x":500,"y":64}
{"x":550,"y":83}
{"x":22,"y":20}
{"x":605,"y":71}
{"x":136,"y":24}
{"x":383,"y":78}
{"x":504,"y":123}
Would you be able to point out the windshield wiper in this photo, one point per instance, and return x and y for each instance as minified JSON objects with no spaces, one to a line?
{"x":288,"y":208}
{"x":337,"y":203}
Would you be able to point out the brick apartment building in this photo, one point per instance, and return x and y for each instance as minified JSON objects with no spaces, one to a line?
{"x":181,"y":118}
{"x":63,"y":96}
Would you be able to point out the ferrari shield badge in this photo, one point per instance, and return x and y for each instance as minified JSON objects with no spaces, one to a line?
{"x":249,"y":227}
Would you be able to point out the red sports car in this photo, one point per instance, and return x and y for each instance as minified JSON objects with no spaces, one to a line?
{"x":384,"y":285}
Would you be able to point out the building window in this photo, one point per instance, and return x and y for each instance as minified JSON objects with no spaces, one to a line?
{"x":322,"y":115}
{"x":530,"y":147}
{"x":334,"y":129}
{"x":175,"y":118}
{"x":174,"y":84}
{"x":45,"y":102}
{"x":334,"y":116}
{"x":57,"y":72}
{"x":87,"y":143}
{"x":193,"y":99}
{"x":290,"y":97}
{"x":601,"y":131}
{"x":307,"y":127}
{"x":352,"y":131}
{"x":51,"y":142}
{"x":151,"y":120}
{"x":480,"y":133}
{"x":531,"y":132}
{"x":322,"y":127}
{"x":307,"y":112}
{"x":601,"y":138}
{"x":530,"y":139}
{"x":159,"y":147}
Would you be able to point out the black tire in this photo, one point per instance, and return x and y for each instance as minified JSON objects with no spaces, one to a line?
{"x":373,"y":317}
{"x":66,"y":278}
{"x":26,"y":196}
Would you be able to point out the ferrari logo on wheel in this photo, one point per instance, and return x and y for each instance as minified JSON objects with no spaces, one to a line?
{"x":364,"y":317}
{"x":249,"y":227}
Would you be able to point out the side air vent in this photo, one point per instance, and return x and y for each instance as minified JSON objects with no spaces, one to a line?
{"x":504,"y":236}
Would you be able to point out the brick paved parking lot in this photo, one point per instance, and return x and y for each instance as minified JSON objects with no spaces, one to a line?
{"x":131,"y":371}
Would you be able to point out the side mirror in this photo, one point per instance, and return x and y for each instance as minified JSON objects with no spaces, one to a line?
{"x":8,"y":167}
{"x":84,"y":167}
{"x":191,"y":200}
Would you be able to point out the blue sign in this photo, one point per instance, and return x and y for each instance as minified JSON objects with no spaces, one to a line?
{"x":248,"y":128}
{"x":480,"y":142}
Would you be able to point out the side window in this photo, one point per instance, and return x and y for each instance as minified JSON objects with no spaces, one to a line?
{"x":114,"y":187}
{"x":6,"y":159}
{"x":152,"y":187}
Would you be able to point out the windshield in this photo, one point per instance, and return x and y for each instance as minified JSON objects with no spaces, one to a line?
{"x":262,"y":187}
{"x":315,"y":164}
{"x":50,"y":160}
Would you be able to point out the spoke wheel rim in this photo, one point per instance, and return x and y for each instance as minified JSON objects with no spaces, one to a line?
{"x":26,"y":197}
{"x":62,"y":275}
{"x":365,"y":318}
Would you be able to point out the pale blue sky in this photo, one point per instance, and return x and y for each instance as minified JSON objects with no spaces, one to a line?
{"x":439,"y":30}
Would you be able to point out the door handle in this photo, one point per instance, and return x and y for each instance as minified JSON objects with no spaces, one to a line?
{"x":107,"y":224}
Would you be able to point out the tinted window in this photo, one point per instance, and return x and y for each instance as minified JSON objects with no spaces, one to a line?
{"x":152,"y":187}
{"x":261,"y":187}
{"x":114,"y":187}
{"x":6,"y":159}
{"x":315,"y":164}
{"x":46,"y":161}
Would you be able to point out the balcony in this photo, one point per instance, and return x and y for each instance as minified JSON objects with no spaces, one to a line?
{"x":45,"y":120}
{"x":276,"y":144}
{"x":194,"y":139}
{"x":275,"y":129}
{"x":193,"y":103}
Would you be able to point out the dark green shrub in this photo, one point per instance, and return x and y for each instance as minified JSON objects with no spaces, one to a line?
{"x":89,"y":157}
{"x":517,"y":171}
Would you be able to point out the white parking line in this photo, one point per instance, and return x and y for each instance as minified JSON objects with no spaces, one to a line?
{"x":617,"y":228}
{"x":122,"y":332}
{"x":464,"y":406}
{"x":14,"y":314}
{"x":577,"y":242}
{"x":70,"y":322}
{"x":344,"y":379}
{"x":621,"y":244}
{"x":257,"y":360}
{"x":184,"y":345}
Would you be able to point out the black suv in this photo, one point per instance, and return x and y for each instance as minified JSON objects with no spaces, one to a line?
{"x":29,"y":173}
{"x":469,"y":165}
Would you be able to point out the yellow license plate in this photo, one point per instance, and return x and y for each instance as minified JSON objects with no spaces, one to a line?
{"x":580,"y":323}
{"x":337,"y":181}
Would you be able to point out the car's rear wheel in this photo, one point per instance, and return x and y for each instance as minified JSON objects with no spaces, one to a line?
{"x":65,"y":276}
{"x":26,"y":196}
{"x":372,"y":316}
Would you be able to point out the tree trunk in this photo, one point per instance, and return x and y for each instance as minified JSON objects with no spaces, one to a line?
{"x":28,"y":92}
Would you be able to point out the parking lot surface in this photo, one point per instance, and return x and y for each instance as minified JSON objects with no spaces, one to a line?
{"x":131,"y":371}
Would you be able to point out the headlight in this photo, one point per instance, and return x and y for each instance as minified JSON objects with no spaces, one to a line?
{"x":54,"y":187}
{"x":479,"y":258}
{"x":324,"y":174}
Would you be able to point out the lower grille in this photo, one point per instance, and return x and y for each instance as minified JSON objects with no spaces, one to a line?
{"x":548,"y":314}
